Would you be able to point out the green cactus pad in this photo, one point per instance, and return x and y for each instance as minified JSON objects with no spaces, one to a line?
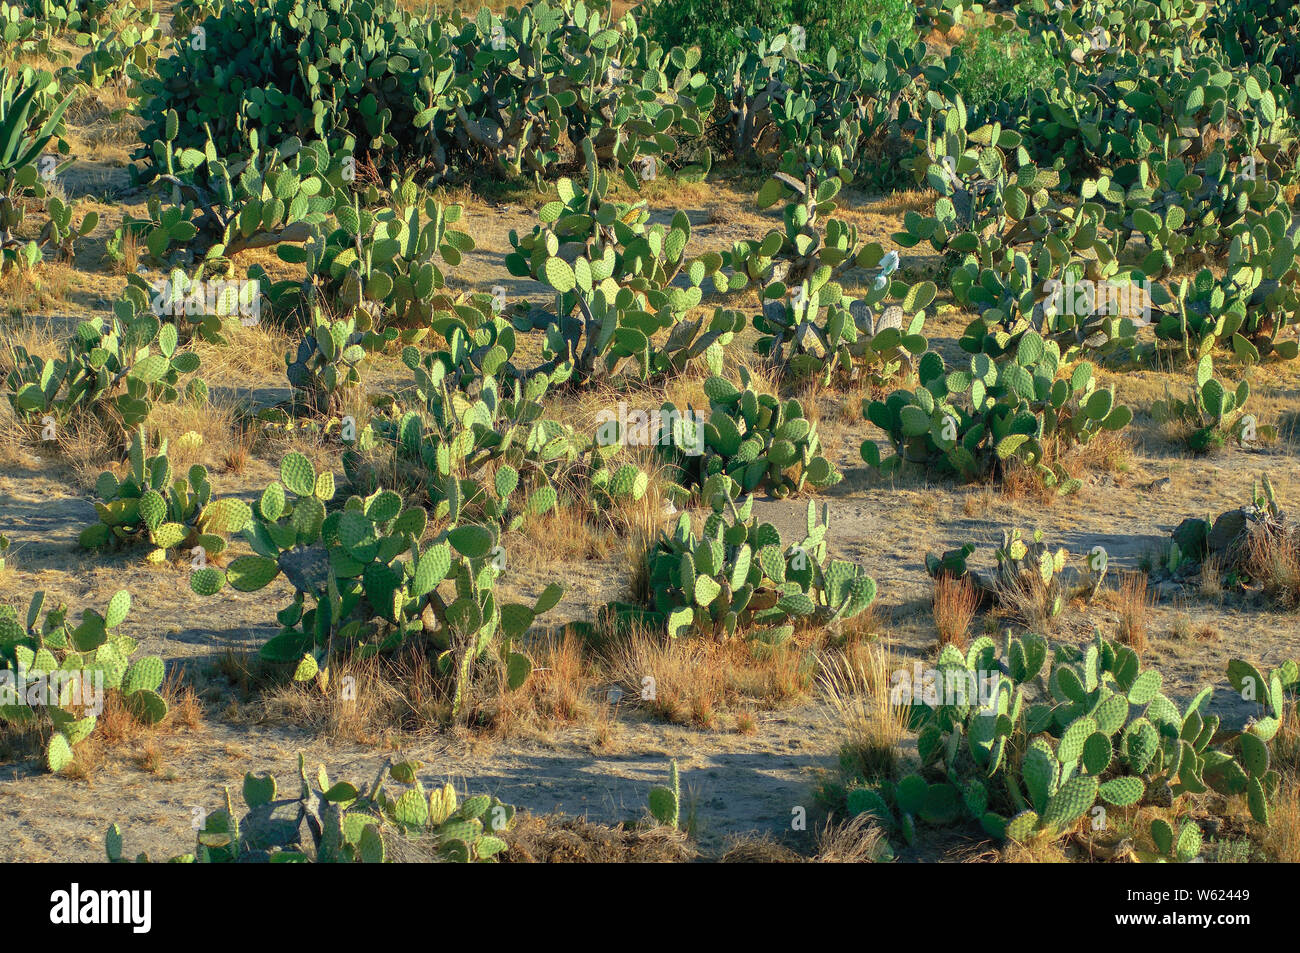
{"x":207,"y":582}
{"x":471,"y":541}
{"x":297,"y":474}
{"x":58,"y":753}
{"x":1123,"y":791}
{"x":1022,"y":827}
{"x":143,"y":674}
{"x":117,"y":610}
{"x":148,"y":706}
{"x":271,"y":505}
{"x":250,"y":573}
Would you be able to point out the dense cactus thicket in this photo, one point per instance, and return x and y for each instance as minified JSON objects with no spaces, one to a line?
{"x":1084,"y":194}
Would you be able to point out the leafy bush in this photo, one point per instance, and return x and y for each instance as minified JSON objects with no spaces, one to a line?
{"x":712,"y":26}
{"x":996,"y":69}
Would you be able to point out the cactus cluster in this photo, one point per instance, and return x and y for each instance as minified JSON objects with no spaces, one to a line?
{"x":974,"y":422}
{"x":29,"y":122}
{"x":808,"y":322}
{"x":780,"y":103}
{"x":1213,"y":412}
{"x":613,"y":274}
{"x":329,"y":361}
{"x":127,"y":47}
{"x":275,"y":195}
{"x":365,"y":581}
{"x":168,"y":512}
{"x":492,"y":458}
{"x":1103,"y":736}
{"x":501,"y":91}
{"x":114,"y":367}
{"x":57,"y":675}
{"x":342,"y":823}
{"x":739,"y":578}
{"x":752,"y":440}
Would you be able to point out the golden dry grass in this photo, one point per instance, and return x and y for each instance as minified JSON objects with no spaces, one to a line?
{"x":857,"y":687}
{"x":953,"y":605}
{"x":858,"y":840}
{"x":1274,"y":560}
{"x":1134,"y":606}
{"x":558,"y":693}
{"x":695,"y":681}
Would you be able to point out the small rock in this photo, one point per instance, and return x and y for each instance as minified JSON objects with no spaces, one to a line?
{"x":1168,"y":590}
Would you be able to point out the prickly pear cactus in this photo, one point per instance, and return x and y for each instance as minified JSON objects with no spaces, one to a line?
{"x":1030,"y":742}
{"x":364,"y":582}
{"x":738,"y":578}
{"x":58,"y":675}
{"x":752,"y":440}
{"x":170,"y":513}
{"x":979,"y":421}
{"x":346,"y":822}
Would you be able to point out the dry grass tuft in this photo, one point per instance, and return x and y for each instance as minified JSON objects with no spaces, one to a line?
{"x":955,"y":603}
{"x":1280,"y":840}
{"x":692,"y":681}
{"x":856,"y":841}
{"x":574,"y":840}
{"x":1211,"y":581}
{"x":760,"y":849}
{"x":1134,"y":607}
{"x":1029,"y":601}
{"x":1273,"y":558}
{"x":557,"y":694}
{"x":858,"y":690}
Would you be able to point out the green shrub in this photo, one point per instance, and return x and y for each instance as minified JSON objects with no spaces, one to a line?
{"x":711,"y":24}
{"x":996,"y":70}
